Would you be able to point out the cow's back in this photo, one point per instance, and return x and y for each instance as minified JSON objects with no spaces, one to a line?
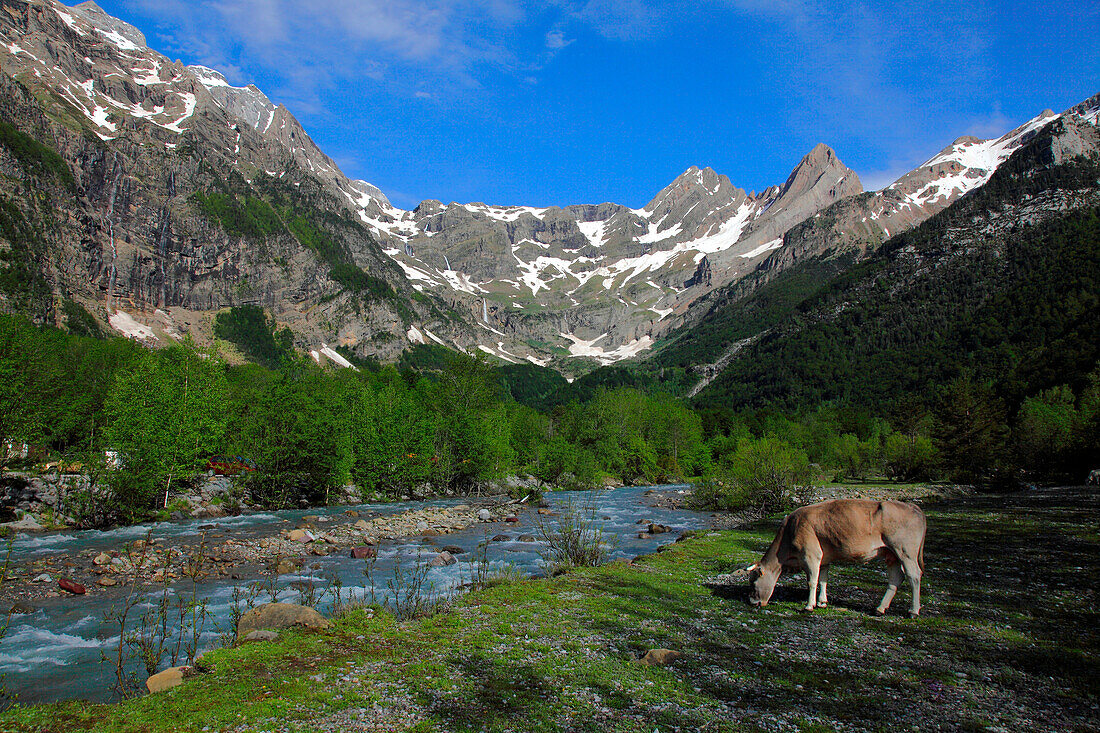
{"x":855,"y":530}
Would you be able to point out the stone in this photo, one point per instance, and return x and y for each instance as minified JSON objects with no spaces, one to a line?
{"x":501,"y":538}
{"x":281,"y":616}
{"x":644,"y":535}
{"x":660,"y":657}
{"x":655,"y":528}
{"x":26,"y":524}
{"x":106,"y":581}
{"x":43,"y":578}
{"x":453,"y":549}
{"x":285,"y":567}
{"x":363,"y":553}
{"x":300,"y":535}
{"x":71,"y":586}
{"x":362,"y":525}
{"x":310,"y":518}
{"x":526,"y":538}
{"x":442,"y":559}
{"x":21,"y":608}
{"x":261,"y":635}
{"x":351,"y":513}
{"x":484,"y":515}
{"x":102,"y":559}
{"x":166,"y":680}
{"x":547,"y":512}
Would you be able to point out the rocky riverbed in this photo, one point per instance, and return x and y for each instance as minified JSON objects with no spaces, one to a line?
{"x":217,"y":551}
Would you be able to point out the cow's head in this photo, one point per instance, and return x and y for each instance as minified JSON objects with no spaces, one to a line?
{"x":761,"y":584}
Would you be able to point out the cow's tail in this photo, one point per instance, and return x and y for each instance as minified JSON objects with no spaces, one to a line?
{"x":920,"y":556}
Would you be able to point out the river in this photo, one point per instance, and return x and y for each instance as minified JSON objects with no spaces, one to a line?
{"x":56,"y":652}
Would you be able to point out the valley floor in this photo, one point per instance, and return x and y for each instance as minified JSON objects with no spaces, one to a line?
{"x":1008,"y":642}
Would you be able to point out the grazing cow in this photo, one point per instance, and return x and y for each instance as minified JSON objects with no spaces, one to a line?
{"x":849,"y":531}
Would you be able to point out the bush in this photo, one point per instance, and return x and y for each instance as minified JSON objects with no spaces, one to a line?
{"x":766,"y":474}
{"x":574,"y":540}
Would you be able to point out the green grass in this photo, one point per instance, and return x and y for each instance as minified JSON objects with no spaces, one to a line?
{"x":1008,"y":638}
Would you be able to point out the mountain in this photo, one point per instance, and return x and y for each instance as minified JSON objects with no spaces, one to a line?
{"x":1003,"y":286}
{"x":164,"y":194}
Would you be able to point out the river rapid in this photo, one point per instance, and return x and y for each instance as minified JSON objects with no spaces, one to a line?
{"x":56,"y":652}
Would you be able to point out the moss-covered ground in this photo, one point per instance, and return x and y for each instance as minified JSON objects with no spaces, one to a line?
{"x":1007,"y":642}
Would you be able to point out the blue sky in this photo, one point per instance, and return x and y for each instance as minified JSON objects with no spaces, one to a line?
{"x":583,"y":101}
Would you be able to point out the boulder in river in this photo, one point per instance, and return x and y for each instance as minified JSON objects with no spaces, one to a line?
{"x":363,"y":552}
{"x":526,"y":538}
{"x":655,"y":528}
{"x":280,"y":616}
{"x":453,"y":549}
{"x":484,"y":515}
{"x":501,"y":538}
{"x":71,"y":586}
{"x":300,"y":535}
{"x":443,"y":558}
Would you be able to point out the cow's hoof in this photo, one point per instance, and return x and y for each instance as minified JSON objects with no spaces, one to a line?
{"x":808,"y":609}
{"x":914,"y":614}
{"x":823,"y":605}
{"x":880,"y":611}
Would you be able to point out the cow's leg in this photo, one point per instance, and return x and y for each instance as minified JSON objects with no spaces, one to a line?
{"x":913,"y":574}
{"x":813,"y":570}
{"x":895,"y":577}
{"x":823,"y":578}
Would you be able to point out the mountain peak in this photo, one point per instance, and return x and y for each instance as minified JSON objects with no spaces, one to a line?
{"x":111,"y":28}
{"x":821,"y":166}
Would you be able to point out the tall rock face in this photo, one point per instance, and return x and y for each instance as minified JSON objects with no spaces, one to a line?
{"x":179,"y":194}
{"x":182,"y":195}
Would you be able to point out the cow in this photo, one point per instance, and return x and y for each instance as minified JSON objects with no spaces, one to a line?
{"x":813,"y":537}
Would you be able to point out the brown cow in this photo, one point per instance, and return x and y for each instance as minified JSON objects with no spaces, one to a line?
{"x":849,"y":531}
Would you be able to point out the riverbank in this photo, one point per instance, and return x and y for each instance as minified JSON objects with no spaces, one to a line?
{"x":1007,"y":642}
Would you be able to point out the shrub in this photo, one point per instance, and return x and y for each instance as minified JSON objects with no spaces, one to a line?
{"x":765,"y":474}
{"x":574,"y":539}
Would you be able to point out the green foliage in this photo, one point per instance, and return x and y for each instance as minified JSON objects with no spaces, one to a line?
{"x":78,"y":321}
{"x":247,"y":216}
{"x":250,"y":328}
{"x":971,"y":431}
{"x":21,"y":264}
{"x":36,"y":158}
{"x":164,"y":415}
{"x":765,"y":474}
{"x":295,"y":431}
